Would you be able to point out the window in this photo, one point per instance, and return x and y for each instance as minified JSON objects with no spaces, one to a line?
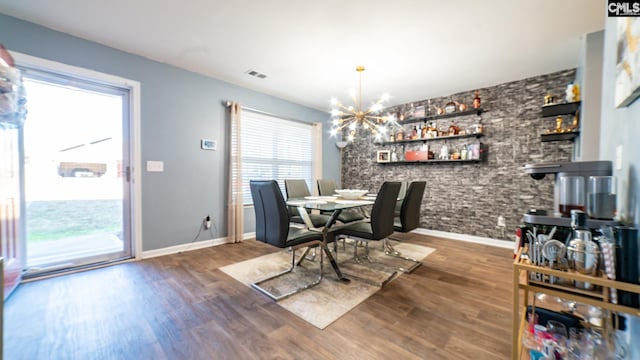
{"x":276,"y":149}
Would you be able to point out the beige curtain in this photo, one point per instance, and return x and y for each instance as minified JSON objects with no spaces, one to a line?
{"x":235,"y":212}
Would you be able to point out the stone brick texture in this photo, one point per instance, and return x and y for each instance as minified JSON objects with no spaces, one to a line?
{"x":468,"y":198}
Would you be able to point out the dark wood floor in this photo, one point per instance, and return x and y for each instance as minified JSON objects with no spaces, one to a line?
{"x":456,"y":306}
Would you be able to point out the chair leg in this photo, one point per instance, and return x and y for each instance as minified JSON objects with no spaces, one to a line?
{"x":256,"y":285}
{"x":355,"y":252}
{"x":304,"y":256}
{"x":390,"y":251}
{"x":366,"y":251}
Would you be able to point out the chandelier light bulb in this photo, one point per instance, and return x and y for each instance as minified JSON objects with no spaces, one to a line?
{"x":334,"y":132}
{"x":350,"y":137}
{"x":353,"y":125}
{"x":334,"y":101}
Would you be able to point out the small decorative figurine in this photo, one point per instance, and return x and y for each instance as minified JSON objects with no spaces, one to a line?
{"x":572,"y":94}
{"x":476,"y":100}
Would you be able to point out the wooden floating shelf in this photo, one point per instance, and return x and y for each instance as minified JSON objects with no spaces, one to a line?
{"x":478,"y":135}
{"x":559,"y":136}
{"x":430,"y":162}
{"x":560,"y":109}
{"x":477,"y":111}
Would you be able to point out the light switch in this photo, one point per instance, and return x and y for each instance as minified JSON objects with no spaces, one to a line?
{"x":155,"y":166}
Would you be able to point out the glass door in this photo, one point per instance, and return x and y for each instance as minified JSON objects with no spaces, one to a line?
{"x":76,"y":161}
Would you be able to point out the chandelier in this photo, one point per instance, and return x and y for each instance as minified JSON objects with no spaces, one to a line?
{"x":355,"y":116}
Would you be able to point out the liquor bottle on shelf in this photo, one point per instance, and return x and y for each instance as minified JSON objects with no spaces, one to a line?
{"x":476,"y":100}
{"x":419,"y":134}
{"x":414,"y":133}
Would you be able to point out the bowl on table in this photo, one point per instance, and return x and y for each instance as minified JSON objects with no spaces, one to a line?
{"x":351,"y":194}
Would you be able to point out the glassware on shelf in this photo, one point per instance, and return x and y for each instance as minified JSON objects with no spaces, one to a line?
{"x":601,"y":199}
{"x":571,"y":194}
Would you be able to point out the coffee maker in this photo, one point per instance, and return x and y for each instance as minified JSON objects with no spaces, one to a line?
{"x":583,"y":169}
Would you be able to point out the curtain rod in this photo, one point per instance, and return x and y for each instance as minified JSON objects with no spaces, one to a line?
{"x":228,"y":104}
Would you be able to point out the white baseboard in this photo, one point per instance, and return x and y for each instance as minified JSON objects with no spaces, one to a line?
{"x":191,"y":246}
{"x":468,"y":238}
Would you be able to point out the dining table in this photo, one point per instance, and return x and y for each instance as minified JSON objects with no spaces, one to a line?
{"x":334,"y":205}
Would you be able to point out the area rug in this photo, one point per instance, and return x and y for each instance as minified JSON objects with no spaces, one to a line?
{"x":329,"y":300}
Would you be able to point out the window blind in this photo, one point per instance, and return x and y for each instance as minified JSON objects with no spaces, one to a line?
{"x":275,"y":149}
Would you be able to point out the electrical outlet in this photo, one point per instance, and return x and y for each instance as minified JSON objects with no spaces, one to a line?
{"x":501,"y":221}
{"x":207,"y":222}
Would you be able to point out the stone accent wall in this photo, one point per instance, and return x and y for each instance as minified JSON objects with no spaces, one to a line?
{"x":468,"y":198}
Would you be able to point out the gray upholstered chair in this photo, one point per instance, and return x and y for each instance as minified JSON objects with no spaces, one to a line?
{"x":272,"y":227}
{"x":297,"y":188}
{"x":380,"y":225}
{"x":327,"y":187}
{"x":408,"y":220}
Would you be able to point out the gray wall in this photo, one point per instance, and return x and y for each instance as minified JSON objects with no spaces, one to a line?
{"x":621,"y":127}
{"x":178,"y":109}
{"x":589,"y":76}
{"x":469,"y":198}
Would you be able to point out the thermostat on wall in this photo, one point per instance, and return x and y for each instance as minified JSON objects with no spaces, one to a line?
{"x":207,"y":144}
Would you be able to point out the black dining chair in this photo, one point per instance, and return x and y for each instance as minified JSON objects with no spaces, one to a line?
{"x":380,"y":225}
{"x":273,"y":228}
{"x":327,"y":187}
{"x":408,"y":220}
{"x":297,"y":188}
{"x":401,"y":195}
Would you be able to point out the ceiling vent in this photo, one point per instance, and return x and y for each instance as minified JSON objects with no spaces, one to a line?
{"x":255,"y":73}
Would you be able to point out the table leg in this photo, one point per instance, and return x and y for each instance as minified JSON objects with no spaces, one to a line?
{"x":325,"y":247}
{"x":334,"y":264}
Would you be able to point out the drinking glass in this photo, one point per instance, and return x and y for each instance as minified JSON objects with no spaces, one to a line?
{"x":558,"y":332}
{"x":571,"y":194}
{"x":601,"y":202}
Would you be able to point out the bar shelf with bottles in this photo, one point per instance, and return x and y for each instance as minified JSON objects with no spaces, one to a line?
{"x":600,"y":272}
{"x":447,"y":137}
{"x":524,"y":270}
{"x":431,"y":128}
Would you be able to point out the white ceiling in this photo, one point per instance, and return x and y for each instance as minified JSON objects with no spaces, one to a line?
{"x":412,"y":49}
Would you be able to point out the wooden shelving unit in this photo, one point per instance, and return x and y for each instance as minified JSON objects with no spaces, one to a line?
{"x":521,"y":280}
{"x":571,"y":108}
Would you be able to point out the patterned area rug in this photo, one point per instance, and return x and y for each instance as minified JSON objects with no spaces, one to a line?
{"x":329,"y":300}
